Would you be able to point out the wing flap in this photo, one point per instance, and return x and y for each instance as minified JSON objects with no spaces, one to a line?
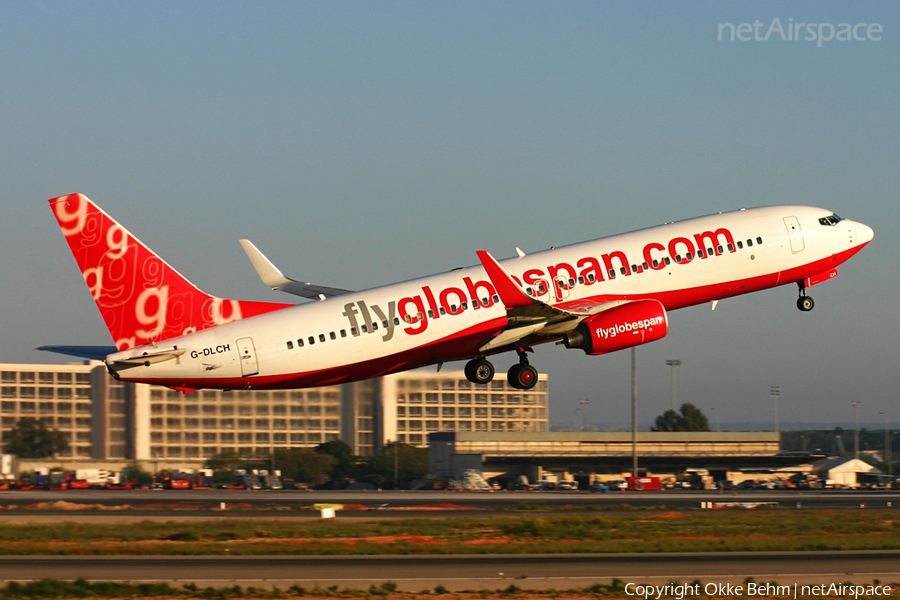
{"x":528,"y":315}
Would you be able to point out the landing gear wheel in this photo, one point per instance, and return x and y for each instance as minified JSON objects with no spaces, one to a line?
{"x":479,"y":370}
{"x":522,"y":377}
{"x":805,"y":303}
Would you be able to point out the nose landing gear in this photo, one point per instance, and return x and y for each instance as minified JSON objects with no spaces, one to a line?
{"x":804,"y":302}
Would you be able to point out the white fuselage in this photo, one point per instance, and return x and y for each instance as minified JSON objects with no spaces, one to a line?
{"x":422,"y":321}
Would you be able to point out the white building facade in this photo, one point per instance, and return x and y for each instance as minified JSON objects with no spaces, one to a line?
{"x":104,"y":419}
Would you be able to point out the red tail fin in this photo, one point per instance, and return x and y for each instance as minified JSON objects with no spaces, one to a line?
{"x":142,"y":299}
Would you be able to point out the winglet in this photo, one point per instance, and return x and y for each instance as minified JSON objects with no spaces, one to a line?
{"x":276,"y":280}
{"x":268,"y":272}
{"x":511,"y":293}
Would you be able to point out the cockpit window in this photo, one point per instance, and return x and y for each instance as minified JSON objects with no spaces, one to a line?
{"x":830,"y":220}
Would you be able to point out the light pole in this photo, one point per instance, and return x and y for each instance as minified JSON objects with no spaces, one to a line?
{"x":583,"y":409}
{"x":673,"y":364}
{"x":887,"y":444}
{"x":776,"y":394}
{"x":713,"y":409}
{"x":396,"y":466}
{"x":634,"y":453}
{"x":855,"y":404}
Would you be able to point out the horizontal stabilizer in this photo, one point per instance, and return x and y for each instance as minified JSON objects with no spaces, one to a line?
{"x":276,"y":280}
{"x":150,"y":358}
{"x":88,"y":352}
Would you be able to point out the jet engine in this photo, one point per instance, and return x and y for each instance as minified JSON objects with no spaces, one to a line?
{"x":622,"y":326}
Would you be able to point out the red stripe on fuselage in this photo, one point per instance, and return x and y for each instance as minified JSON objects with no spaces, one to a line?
{"x":459,"y":346}
{"x":465,"y":344}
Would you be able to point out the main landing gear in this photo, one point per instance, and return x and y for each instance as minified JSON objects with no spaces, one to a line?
{"x":479,"y":370}
{"x":521,"y":376}
{"x":804,"y":302}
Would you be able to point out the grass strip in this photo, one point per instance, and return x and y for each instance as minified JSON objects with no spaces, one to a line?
{"x":698,"y":531}
{"x":616,"y":589}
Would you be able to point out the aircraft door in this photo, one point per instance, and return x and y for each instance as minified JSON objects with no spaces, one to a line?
{"x":249,"y":365}
{"x":795,"y":234}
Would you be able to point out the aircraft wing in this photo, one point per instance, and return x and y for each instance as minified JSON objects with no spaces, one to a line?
{"x":276,"y":280}
{"x":528,"y":315}
{"x":88,"y":352}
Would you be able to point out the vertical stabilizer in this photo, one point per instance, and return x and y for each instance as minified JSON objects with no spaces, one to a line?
{"x":141,"y":298}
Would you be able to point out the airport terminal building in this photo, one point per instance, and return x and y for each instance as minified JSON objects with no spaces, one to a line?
{"x":107,"y":420}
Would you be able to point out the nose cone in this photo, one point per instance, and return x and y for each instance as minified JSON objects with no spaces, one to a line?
{"x":864,"y":233}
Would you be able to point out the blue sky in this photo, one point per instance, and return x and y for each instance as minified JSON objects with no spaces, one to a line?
{"x":362,"y":143}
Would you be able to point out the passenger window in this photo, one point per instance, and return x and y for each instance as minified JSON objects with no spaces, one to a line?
{"x":299,"y":343}
{"x":759,"y":240}
{"x":332,"y":335}
{"x":496,"y":299}
{"x":484,"y":302}
{"x":290,"y":345}
{"x":430,"y":314}
{"x":374,"y":326}
{"x":385,"y":324}
{"x":749,"y":243}
{"x":571,"y":282}
{"x":365,"y":329}
{"x":581,"y":280}
{"x":688,"y":256}
{"x":354,"y":331}
{"x":709,"y":251}
{"x":655,"y":263}
{"x":740,"y":245}
{"x":344,"y":332}
{"x":667,"y":260}
{"x":464,"y":306}
{"x":452,"y":309}
{"x":420,"y":316}
{"x":720,"y":250}
{"x":311,"y":340}
{"x":321,"y":337}
{"x":442,"y":310}
{"x":624,"y":270}
{"x":612,"y":273}
{"x":396,"y":321}
{"x":731,"y":247}
{"x":591,"y":277}
{"x":474,"y":303}
{"x":634,"y":268}
{"x":406,"y":318}
{"x":700,"y":253}
{"x":645,"y":265}
{"x":678,"y":258}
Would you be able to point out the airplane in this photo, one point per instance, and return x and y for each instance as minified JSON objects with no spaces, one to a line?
{"x":599,"y":296}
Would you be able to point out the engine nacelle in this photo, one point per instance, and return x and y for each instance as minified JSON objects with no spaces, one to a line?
{"x":623,"y":326}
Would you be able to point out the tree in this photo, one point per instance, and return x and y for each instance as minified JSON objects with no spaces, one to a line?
{"x":412,"y":464}
{"x":135,"y":473}
{"x":30,"y":438}
{"x":690,"y":419}
{"x":345,"y":465}
{"x":303,"y":464}
{"x":224,"y":466}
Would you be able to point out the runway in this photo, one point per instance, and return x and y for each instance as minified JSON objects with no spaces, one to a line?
{"x":414,"y":573}
{"x":285,"y":500}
